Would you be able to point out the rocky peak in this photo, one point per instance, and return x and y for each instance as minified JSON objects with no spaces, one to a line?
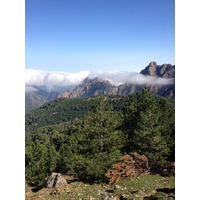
{"x":89,"y":81}
{"x":153,"y":64}
{"x":86,"y":80}
{"x":163,"y":71}
{"x":89,"y":87}
{"x":150,"y":69}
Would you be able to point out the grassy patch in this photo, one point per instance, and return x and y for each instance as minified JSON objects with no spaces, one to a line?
{"x":150,"y":187}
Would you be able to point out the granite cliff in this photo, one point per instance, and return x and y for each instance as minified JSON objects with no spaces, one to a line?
{"x":163,"y":71}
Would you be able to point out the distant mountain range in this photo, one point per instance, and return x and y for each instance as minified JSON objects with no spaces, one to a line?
{"x":37,"y":97}
{"x":96,"y":86}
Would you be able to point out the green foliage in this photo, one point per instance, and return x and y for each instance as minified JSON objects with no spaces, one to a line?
{"x":53,"y":158}
{"x":145,"y":187}
{"x":57,"y":111}
{"x":88,"y":145}
{"x":144,"y":121}
{"x":36,"y":163}
{"x":167,"y":120}
{"x":100,"y":141}
{"x":65,"y":110}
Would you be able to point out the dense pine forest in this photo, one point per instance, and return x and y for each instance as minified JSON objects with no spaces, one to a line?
{"x":87,"y":136}
{"x":65,"y":110}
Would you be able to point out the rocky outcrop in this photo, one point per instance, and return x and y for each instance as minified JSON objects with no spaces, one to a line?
{"x":97,"y":86}
{"x":54,"y":180}
{"x":90,"y":87}
{"x":163,"y":71}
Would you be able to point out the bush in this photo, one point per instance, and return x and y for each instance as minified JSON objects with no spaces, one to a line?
{"x":129,"y":166}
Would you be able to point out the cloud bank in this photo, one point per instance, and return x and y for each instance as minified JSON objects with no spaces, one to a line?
{"x":30,"y":89}
{"x":119,"y":77}
{"x":52,"y":79}
{"x":69,"y":79}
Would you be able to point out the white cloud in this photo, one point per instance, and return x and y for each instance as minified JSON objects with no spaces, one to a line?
{"x":120,"y":77}
{"x":66,"y":79}
{"x":51,"y":79}
{"x":34,"y":77}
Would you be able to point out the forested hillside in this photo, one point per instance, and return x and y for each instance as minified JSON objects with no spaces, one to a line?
{"x":65,"y":110}
{"x":96,"y":135}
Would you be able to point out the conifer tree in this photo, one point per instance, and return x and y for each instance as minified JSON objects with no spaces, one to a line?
{"x":52,"y":158}
{"x":101,"y":140}
{"x":142,"y":122}
{"x":167,"y":119}
{"x":36,"y":163}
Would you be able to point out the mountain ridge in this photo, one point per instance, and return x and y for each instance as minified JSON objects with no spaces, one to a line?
{"x":97,"y":86}
{"x":163,"y":71}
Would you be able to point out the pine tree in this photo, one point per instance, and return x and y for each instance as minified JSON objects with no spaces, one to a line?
{"x":144,"y":128}
{"x":167,"y":119}
{"x":52,"y":158}
{"x":36,"y":163}
{"x":101,"y":140}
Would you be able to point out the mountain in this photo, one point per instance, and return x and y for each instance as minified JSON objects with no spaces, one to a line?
{"x":33,"y":100}
{"x":36,"y":97}
{"x":90,"y":87}
{"x":97,"y":86}
{"x":163,"y":71}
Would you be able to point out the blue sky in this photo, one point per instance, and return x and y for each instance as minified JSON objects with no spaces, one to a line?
{"x":77,"y":35}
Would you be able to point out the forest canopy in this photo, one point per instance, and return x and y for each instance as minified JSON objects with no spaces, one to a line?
{"x":91,"y":142}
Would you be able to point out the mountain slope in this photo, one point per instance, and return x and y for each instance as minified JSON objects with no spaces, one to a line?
{"x":64,"y":109}
{"x":36,"y":97}
{"x":57,"y":111}
{"x":33,"y":100}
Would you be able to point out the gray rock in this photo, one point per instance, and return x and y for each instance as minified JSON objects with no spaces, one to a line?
{"x":54,"y":180}
{"x":110,"y":198}
{"x":117,"y":187}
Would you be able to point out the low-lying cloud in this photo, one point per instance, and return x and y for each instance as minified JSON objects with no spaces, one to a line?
{"x":120,"y":77}
{"x":52,"y":79}
{"x":29,"y":88}
{"x":69,"y":79}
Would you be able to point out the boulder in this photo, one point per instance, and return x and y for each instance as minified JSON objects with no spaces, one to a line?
{"x":117,"y":187}
{"x":110,"y":198}
{"x":54,"y":180}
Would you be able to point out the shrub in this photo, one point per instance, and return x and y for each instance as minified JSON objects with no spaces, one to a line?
{"x":129,"y":166}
